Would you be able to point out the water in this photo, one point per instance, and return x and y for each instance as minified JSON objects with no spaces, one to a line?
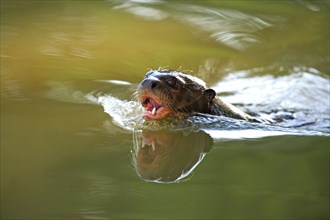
{"x":73,"y":145}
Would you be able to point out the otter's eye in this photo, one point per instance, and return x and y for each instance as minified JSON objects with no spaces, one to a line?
{"x":171,"y":82}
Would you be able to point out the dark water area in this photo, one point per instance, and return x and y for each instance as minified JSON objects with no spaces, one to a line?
{"x":73,"y":143}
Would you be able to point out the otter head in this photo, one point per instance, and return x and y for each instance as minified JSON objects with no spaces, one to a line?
{"x":163,"y":93}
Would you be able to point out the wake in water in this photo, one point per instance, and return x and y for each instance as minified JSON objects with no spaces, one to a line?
{"x":299,"y":100}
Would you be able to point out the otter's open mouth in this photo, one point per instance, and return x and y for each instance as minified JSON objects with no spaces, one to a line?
{"x":153,"y":109}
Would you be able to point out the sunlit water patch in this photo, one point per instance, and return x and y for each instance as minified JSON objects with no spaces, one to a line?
{"x":302,"y":88}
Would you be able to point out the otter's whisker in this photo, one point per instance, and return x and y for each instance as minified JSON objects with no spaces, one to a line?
{"x":135,"y":96}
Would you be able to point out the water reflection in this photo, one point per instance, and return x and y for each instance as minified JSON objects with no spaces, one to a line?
{"x":166,"y":156}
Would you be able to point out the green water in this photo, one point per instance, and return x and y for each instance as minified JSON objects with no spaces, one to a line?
{"x":65,"y":159}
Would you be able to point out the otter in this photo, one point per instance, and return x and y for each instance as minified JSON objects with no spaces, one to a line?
{"x":164,"y":93}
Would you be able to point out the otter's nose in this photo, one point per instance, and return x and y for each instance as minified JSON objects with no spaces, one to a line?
{"x":149,"y":84}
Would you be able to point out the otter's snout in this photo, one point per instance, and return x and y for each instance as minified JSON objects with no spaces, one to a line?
{"x":149,"y":83}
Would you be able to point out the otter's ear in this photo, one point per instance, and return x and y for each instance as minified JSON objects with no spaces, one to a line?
{"x":210,"y":94}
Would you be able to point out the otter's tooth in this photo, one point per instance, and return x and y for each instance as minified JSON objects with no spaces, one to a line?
{"x":153,"y":145}
{"x":153,"y":111}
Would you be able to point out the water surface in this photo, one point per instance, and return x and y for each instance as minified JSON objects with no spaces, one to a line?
{"x":74,"y":147}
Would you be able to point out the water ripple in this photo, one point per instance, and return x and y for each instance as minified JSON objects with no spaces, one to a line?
{"x":233,"y":28}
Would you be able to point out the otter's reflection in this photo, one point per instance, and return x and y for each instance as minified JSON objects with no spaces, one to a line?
{"x":168,"y":156}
